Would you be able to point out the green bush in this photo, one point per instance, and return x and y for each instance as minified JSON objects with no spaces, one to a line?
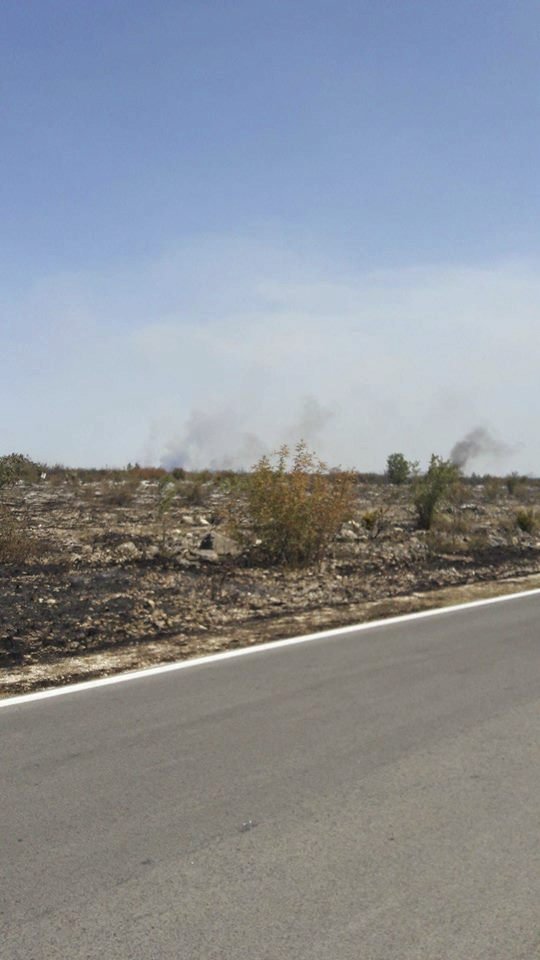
{"x":292,"y":506}
{"x":374,"y":521}
{"x":433,"y":488}
{"x":398,"y":469}
{"x":167,"y":491}
{"x":527,"y":520}
{"x":16,"y":466}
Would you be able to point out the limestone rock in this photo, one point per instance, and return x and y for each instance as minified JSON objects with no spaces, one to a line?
{"x":222,"y":545}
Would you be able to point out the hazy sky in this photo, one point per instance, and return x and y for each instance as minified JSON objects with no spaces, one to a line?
{"x":230,"y":223}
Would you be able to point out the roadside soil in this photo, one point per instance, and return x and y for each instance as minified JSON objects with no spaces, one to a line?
{"x":102,"y":578}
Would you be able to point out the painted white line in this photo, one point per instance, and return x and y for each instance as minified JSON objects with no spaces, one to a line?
{"x":256,"y":648}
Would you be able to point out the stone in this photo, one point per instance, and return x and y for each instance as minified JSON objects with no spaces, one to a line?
{"x":347,"y":534}
{"x":207,"y":556}
{"x":128,"y":551}
{"x":222,"y":545}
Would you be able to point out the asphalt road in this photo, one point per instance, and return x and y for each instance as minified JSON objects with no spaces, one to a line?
{"x":371,"y":797}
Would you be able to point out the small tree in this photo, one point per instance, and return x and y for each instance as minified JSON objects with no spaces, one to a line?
{"x":167,"y":490}
{"x":293,"y":506}
{"x":7,"y":474}
{"x":398,"y":469}
{"x":433,"y":488}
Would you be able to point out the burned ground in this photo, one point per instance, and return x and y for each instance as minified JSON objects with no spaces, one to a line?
{"x":108,"y":570}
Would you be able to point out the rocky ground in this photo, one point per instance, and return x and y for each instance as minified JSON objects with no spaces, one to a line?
{"x":105,"y":567}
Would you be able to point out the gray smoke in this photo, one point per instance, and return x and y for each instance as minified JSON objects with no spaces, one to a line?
{"x":310,"y":424}
{"x":218,"y":441}
{"x":478,"y":443}
{"x":213,"y":441}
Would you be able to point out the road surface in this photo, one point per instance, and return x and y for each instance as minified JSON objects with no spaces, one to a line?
{"x":370,"y":797}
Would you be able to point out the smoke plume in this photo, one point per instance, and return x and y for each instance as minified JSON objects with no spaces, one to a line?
{"x":478,"y":443}
{"x":212,"y":440}
{"x":220,"y":440}
{"x":310,"y":424}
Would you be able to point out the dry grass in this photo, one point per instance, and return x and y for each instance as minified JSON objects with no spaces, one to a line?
{"x":17,"y":545}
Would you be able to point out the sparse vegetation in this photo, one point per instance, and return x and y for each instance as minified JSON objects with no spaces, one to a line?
{"x":119,"y":493}
{"x":94,"y":559}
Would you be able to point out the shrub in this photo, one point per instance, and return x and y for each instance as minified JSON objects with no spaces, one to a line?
{"x":374,"y":522}
{"x":527,"y":520}
{"x":492,"y":489}
{"x":118,"y":494}
{"x":451,"y":533}
{"x":513,"y":483}
{"x":194,"y":492}
{"x":398,"y":469}
{"x":16,"y":544}
{"x":433,"y":488}
{"x":16,"y":466}
{"x":168,"y":489}
{"x":294,"y":506}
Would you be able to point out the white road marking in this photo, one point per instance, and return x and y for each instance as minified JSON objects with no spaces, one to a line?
{"x":256,"y":648}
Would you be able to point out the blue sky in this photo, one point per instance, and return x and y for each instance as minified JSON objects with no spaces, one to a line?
{"x":225,"y":223}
